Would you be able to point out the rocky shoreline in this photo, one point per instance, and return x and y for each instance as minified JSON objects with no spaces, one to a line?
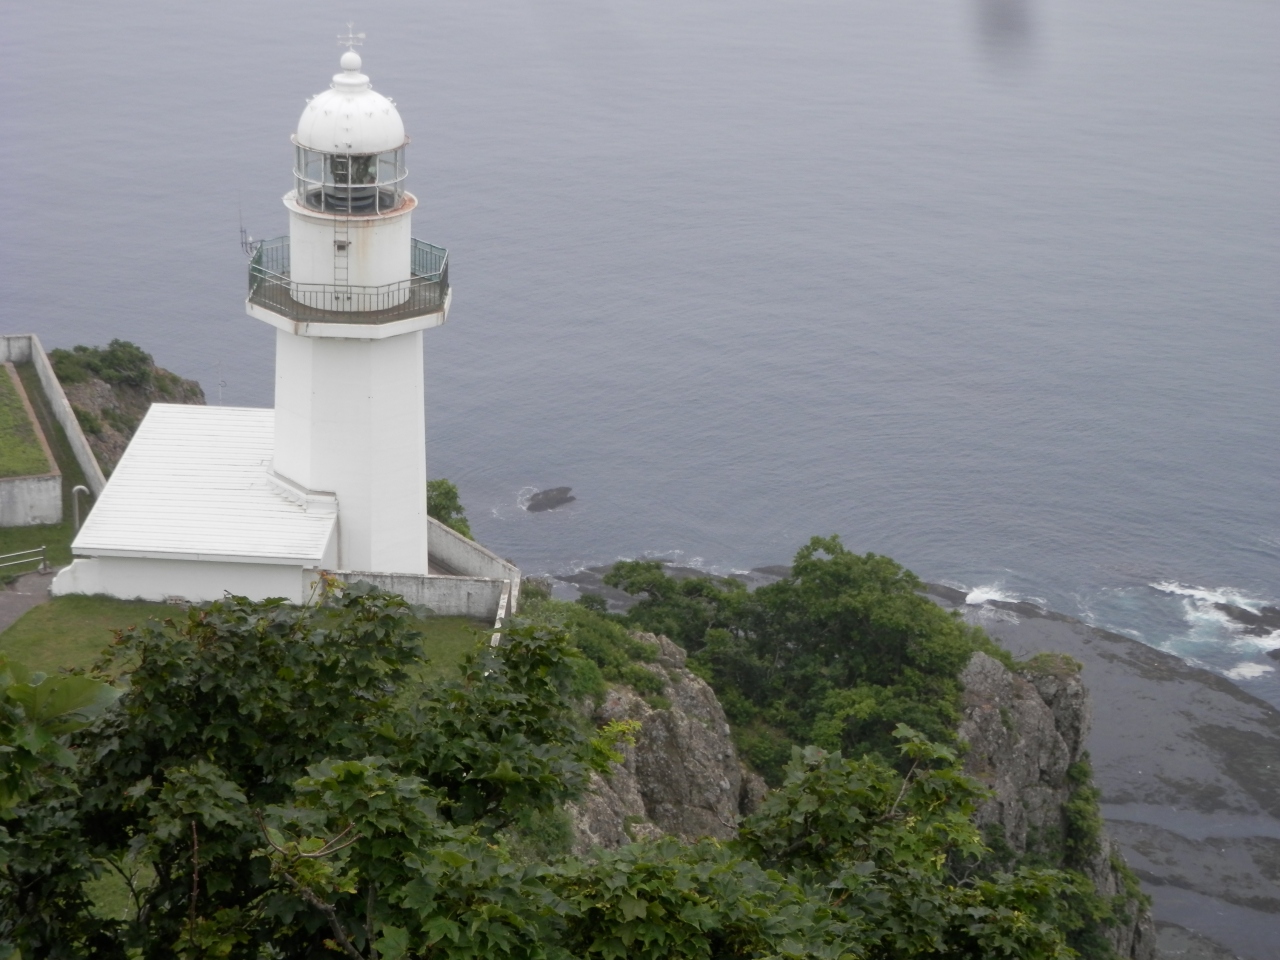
{"x":1189,"y":768}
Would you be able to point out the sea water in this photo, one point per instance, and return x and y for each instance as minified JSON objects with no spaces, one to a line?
{"x":989,"y":286}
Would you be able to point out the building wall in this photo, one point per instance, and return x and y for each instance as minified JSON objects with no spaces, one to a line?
{"x":378,"y":253}
{"x":27,"y":501}
{"x":195,"y":581}
{"x":350,"y":420}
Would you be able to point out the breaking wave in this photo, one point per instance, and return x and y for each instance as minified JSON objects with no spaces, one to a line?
{"x":1207,"y":622}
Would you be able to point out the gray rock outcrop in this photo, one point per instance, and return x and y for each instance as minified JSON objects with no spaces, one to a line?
{"x":110,"y":413}
{"x":682,"y":777}
{"x":1024,"y":731}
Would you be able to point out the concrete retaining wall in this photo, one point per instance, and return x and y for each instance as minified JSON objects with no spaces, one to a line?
{"x":468,"y":559}
{"x":26,"y":348}
{"x":27,"y":501}
{"x":479,"y":598}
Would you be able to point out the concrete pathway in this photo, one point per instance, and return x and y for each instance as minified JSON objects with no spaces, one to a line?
{"x":29,"y":590}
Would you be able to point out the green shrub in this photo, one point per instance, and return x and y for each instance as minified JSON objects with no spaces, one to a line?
{"x":837,"y":654}
{"x":1048,"y":664}
{"x":443,"y":505}
{"x":119,"y":363}
{"x":88,"y":421}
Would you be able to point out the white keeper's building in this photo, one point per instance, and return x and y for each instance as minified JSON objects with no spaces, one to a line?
{"x":209,"y":500}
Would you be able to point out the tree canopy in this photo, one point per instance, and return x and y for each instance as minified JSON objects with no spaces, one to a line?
{"x":443,"y":504}
{"x":287,"y":782}
{"x":836,"y":654}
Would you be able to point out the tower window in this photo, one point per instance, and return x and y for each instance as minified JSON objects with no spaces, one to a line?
{"x":350,"y":183}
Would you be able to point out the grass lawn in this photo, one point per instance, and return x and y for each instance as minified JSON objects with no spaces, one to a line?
{"x":56,"y":537}
{"x":20,"y":452}
{"x":72,"y":632}
{"x":449,"y":639}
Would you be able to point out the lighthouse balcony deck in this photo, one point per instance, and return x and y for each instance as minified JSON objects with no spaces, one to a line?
{"x":271,"y":289}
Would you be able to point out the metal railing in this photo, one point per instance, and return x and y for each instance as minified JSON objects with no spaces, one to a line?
{"x":36,"y":555}
{"x":423,"y":293}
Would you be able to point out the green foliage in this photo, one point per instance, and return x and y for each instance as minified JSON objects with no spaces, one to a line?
{"x":837,"y":654}
{"x":1047,"y":663}
{"x":241,"y":717}
{"x":89,"y":421}
{"x":1082,"y":838}
{"x":593,"y":602}
{"x":285,"y":782}
{"x":36,"y":714}
{"x":886,"y":845}
{"x":119,"y":421}
{"x":663,"y":900}
{"x":20,"y":452}
{"x":535,"y":588}
{"x":119,"y":363}
{"x":443,"y":504}
{"x":607,"y":644}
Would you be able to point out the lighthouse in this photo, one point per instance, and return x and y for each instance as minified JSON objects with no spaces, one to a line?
{"x":349,"y":292}
{"x":332,"y":480}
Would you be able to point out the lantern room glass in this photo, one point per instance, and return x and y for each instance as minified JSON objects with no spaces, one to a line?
{"x":351,"y":183}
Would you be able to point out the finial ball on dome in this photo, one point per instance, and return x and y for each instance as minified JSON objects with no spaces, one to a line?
{"x":350,"y":61}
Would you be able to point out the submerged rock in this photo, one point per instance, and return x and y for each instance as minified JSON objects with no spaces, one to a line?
{"x":1260,"y":624}
{"x":549,"y":499}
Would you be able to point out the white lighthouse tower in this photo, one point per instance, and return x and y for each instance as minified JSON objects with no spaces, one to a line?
{"x":349,"y":292}
{"x":263,"y":503}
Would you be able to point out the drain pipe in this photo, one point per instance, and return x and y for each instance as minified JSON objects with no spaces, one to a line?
{"x":75,"y":504}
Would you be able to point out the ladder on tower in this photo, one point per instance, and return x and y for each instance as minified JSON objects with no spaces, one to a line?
{"x":341,"y":251}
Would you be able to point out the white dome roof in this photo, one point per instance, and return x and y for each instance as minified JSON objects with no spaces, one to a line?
{"x":350,"y":117}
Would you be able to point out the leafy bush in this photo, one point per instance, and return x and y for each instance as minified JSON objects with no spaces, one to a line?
{"x":443,"y":505}
{"x":1049,"y":664}
{"x":837,"y":654}
{"x":279,"y":782}
{"x":606,"y":644}
{"x":119,"y":363}
{"x":88,"y":420}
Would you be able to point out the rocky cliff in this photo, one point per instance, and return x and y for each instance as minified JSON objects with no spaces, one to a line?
{"x":683,"y":775}
{"x":111,"y":389}
{"x":1025,"y":732}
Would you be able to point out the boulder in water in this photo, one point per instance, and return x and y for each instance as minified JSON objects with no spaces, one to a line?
{"x":549,"y":499}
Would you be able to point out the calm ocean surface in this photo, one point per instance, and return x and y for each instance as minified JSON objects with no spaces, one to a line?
{"x":990,"y":286}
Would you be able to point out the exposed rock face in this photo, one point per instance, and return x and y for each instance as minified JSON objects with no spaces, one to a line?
{"x":109,"y":414}
{"x":682,"y":777}
{"x":1023,"y":732}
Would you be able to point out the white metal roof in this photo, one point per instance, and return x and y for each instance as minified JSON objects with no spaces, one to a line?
{"x":350,"y":117}
{"x":194,"y":485}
